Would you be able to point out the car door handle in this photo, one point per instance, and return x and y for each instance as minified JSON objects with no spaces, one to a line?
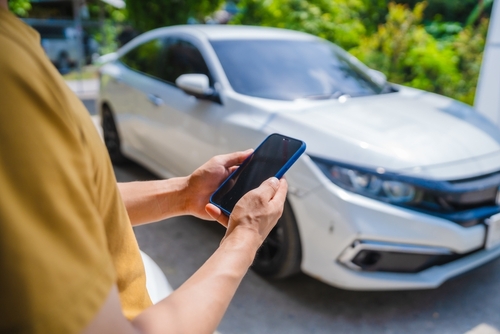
{"x":157,"y":101}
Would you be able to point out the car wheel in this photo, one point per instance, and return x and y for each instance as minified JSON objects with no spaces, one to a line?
{"x":111,"y":136}
{"x":280,"y":255}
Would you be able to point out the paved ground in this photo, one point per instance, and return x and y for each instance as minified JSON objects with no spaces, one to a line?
{"x":87,"y":90}
{"x":467,"y":304}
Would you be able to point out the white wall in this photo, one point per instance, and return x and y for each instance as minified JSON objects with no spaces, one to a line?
{"x":487,"y":99}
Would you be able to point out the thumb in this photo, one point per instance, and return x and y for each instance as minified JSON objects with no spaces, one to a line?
{"x":217,"y":214}
{"x":268,"y":188}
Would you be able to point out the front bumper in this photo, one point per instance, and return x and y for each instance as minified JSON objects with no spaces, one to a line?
{"x":427,"y":279}
{"x":331,"y":221}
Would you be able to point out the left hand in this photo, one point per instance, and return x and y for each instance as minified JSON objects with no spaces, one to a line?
{"x":207,"y":178}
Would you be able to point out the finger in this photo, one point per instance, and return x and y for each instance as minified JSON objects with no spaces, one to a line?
{"x":280,"y":195}
{"x":235,"y":158}
{"x":217,"y":214}
{"x":268,"y":188}
{"x":232,"y":169}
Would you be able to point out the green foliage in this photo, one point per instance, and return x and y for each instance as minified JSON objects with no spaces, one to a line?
{"x":469,"y":46}
{"x":373,"y":14}
{"x":107,"y":37}
{"x":337,"y":21}
{"x":446,"y":10}
{"x":114,"y":20}
{"x":409,"y":55}
{"x":150,"y":14}
{"x":443,"y":30}
{"x":20,"y":7}
{"x":483,"y":5}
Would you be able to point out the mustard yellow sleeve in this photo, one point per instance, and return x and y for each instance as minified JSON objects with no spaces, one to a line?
{"x":55,"y":268}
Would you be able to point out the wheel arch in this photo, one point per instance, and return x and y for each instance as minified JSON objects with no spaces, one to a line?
{"x":284,"y":264}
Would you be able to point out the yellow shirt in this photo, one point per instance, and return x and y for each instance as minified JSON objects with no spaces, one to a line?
{"x":65,"y":237}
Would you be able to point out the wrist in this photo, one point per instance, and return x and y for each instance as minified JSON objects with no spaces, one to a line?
{"x":172,"y":196}
{"x":244,"y":239}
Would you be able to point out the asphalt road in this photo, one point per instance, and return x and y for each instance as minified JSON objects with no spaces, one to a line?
{"x":469,"y":303}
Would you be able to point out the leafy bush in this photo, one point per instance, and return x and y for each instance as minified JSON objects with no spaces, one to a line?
{"x":337,"y":21}
{"x":20,"y":7}
{"x":446,"y":10}
{"x":469,"y":46}
{"x":151,"y":14}
{"x":409,"y":55}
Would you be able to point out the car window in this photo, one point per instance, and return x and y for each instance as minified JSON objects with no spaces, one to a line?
{"x":49,"y":32}
{"x":292,"y":69}
{"x":145,"y":58}
{"x":182,"y":57}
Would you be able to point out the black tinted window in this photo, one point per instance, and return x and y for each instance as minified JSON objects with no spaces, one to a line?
{"x":181,"y":57}
{"x":289,"y":70}
{"x":47,"y":32}
{"x":145,"y":58}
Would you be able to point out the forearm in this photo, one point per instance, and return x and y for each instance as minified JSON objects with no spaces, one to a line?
{"x":151,"y":201}
{"x":200,"y":303}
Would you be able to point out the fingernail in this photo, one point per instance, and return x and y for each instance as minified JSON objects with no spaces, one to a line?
{"x":274,"y":182}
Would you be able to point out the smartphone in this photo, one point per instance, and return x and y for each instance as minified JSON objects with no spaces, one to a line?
{"x":273,"y":157}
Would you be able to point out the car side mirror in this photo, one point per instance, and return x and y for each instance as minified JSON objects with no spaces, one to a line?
{"x":197,"y":85}
{"x":194,"y":84}
{"x":378,"y":77}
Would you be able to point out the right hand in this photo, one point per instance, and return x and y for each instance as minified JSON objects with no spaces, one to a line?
{"x":207,"y":178}
{"x":256,"y":213}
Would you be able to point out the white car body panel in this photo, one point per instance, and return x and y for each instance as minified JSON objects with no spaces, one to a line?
{"x":395,"y":132}
{"x":412,"y":132}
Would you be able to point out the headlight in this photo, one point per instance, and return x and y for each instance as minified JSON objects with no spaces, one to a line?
{"x":368,"y":183}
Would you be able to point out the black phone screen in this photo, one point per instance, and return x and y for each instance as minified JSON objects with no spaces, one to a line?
{"x":267,"y":160}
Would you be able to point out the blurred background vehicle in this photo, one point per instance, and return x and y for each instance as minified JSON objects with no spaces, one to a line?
{"x":398,"y":188}
{"x":62,"y":45}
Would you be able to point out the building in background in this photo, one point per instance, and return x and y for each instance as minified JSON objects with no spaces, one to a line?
{"x":65,"y":28}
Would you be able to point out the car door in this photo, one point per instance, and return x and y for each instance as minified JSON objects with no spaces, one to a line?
{"x":134,"y":105}
{"x":189,"y":126}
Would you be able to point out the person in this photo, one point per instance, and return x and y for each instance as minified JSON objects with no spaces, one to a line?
{"x":68,"y":256}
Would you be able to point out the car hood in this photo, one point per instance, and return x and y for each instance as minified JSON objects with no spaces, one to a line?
{"x":415,"y":133}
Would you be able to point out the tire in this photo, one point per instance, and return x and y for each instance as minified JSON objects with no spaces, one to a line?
{"x":111,"y":136}
{"x":281,"y":254}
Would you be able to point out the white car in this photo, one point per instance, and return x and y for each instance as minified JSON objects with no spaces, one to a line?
{"x":398,"y":188}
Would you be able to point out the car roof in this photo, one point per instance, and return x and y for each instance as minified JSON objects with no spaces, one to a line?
{"x":219,"y":32}
{"x":231,"y":32}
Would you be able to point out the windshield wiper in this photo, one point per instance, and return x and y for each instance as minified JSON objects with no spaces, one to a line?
{"x":335,"y":95}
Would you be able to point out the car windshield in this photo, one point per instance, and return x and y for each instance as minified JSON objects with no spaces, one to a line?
{"x":293,"y":69}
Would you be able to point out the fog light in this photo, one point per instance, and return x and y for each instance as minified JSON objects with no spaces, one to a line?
{"x":367,"y":258}
{"x":397,"y":258}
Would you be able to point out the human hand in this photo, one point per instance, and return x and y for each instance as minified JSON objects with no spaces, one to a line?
{"x":207,"y":178}
{"x":257,"y":212}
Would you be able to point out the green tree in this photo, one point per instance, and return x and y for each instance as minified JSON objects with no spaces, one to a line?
{"x":150,"y":14}
{"x":469,"y":46}
{"x":113,"y":22}
{"x":20,"y":7}
{"x":338,"y":21}
{"x":450,"y":10}
{"x":408,"y":55}
{"x":373,"y":14}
